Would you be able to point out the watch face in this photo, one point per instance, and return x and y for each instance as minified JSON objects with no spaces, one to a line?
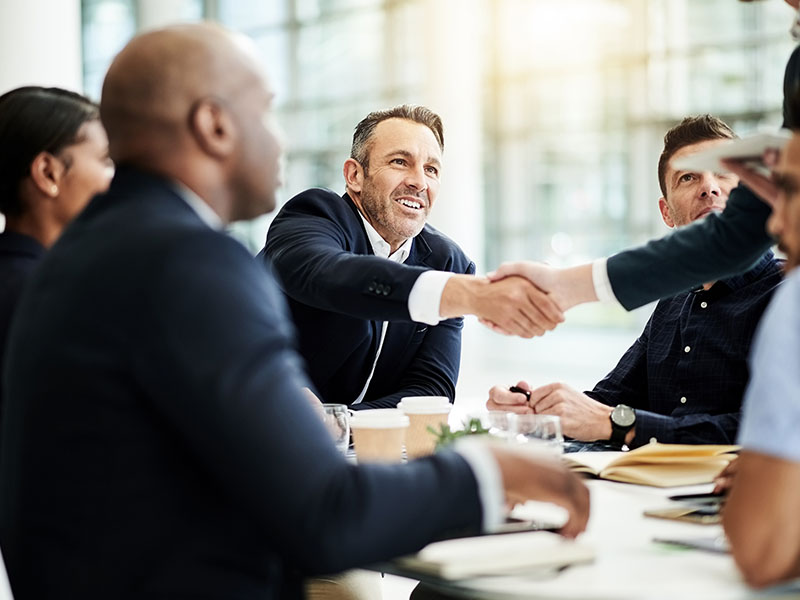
{"x":623,"y":415}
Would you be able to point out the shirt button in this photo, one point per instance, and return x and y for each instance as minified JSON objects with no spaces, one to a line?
{"x":704,"y":305}
{"x":687,"y":349}
{"x":653,"y":440}
{"x":683,"y":400}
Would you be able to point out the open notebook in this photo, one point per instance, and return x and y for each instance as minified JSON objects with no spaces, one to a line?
{"x":659,"y":465}
{"x":497,"y":555}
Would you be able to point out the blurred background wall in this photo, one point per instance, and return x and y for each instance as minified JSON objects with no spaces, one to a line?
{"x":554,"y":113}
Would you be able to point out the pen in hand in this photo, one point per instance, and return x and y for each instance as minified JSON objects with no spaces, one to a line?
{"x":519,"y":390}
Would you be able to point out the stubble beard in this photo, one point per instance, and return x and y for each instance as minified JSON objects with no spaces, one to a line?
{"x":381,"y":212}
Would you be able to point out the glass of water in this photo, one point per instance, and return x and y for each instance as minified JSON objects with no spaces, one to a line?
{"x":337,"y":421}
{"x":540,"y":433}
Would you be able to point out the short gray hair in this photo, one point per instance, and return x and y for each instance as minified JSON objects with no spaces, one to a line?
{"x":411,"y":112}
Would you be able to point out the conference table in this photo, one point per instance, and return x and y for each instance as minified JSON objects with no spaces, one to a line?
{"x":628,"y":563}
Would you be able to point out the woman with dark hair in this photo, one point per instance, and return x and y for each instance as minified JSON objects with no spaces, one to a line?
{"x":53,"y":159}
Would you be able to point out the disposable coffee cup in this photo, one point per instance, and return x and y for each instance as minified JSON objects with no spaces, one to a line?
{"x":424,"y":412}
{"x":379,"y":434}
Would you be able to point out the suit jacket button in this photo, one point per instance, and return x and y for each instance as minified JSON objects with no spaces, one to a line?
{"x":371,"y":287}
{"x":387,"y":290}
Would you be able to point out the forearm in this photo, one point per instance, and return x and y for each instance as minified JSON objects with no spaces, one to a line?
{"x":760,"y":519}
{"x":690,"y":429}
{"x":718,"y":246}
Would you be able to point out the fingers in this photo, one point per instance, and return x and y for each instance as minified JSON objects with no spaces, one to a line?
{"x":501,"y":398}
{"x":494,"y":327}
{"x":528,"y":478}
{"x":520,"y":409}
{"x":546,"y":306}
{"x":515,"y":305}
{"x":540,"y":393}
{"x":577,"y":505}
{"x":522,"y":268}
{"x":762,"y":186}
{"x":724,"y":481}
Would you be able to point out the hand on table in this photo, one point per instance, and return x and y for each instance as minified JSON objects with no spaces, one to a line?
{"x":526,"y":477}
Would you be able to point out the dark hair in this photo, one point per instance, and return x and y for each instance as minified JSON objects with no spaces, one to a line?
{"x":791,"y":91}
{"x":33,"y":120}
{"x":364,"y":130}
{"x":690,"y":131}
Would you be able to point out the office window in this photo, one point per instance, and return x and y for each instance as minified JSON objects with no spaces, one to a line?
{"x":573,"y":102}
{"x":107,"y":26}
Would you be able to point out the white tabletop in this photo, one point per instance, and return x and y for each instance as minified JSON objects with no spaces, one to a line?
{"x":629,"y":565}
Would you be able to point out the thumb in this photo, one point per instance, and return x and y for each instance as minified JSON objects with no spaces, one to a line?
{"x":507,"y":270}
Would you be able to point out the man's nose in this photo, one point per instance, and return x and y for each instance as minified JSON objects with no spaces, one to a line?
{"x":710,"y":186}
{"x":415,"y":179}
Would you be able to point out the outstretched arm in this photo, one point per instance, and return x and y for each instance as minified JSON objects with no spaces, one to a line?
{"x":711,"y":249}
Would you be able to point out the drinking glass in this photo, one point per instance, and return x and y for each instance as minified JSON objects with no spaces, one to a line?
{"x":540,"y":433}
{"x":337,"y":421}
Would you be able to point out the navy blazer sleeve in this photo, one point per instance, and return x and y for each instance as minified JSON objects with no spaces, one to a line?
{"x":313,"y":258}
{"x":224,"y":375}
{"x":717,"y":247}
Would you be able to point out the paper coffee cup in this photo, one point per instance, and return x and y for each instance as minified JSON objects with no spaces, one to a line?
{"x":379,"y":434}
{"x":424,"y":411}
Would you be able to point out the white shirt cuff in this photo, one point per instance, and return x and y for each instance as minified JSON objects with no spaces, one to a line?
{"x":426,"y":297}
{"x":602,"y":284}
{"x":490,"y":481}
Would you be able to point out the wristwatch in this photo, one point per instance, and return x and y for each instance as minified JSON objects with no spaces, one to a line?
{"x":623,"y":418}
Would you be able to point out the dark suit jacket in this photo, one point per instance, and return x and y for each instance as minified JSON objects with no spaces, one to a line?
{"x":155,"y":442}
{"x":339,"y":292}
{"x":19,"y":254}
{"x":715,"y":248}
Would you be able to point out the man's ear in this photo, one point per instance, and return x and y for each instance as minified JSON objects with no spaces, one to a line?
{"x":213,"y":128}
{"x":353,"y":174}
{"x":46,"y":172}
{"x":664,"y":208}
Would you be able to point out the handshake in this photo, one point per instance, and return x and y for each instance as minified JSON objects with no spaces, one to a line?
{"x":523,"y":298}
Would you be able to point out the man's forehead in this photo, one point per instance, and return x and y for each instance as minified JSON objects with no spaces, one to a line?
{"x":695,"y":148}
{"x":396,"y":131}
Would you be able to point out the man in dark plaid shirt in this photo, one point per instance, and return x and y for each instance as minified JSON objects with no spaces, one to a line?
{"x":686,"y":374}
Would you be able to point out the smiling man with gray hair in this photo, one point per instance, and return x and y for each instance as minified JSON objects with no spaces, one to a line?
{"x":376,"y":293}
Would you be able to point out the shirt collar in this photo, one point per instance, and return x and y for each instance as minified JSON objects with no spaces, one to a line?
{"x":198,"y":205}
{"x":381,"y":247}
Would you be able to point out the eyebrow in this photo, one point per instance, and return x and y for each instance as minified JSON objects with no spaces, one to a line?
{"x":406,"y":154}
{"x":677,"y":175}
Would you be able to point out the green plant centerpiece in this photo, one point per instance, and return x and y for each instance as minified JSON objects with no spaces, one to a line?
{"x":446,"y":436}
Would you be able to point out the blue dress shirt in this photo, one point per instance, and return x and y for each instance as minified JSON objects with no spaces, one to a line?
{"x":687,"y":372}
{"x":771,"y":411}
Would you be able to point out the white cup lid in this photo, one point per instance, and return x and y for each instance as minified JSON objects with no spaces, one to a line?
{"x":425,"y":405}
{"x":378,"y":418}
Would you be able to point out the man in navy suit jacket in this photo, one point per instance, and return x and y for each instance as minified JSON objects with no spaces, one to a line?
{"x":368,"y":280}
{"x":156,"y":443}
